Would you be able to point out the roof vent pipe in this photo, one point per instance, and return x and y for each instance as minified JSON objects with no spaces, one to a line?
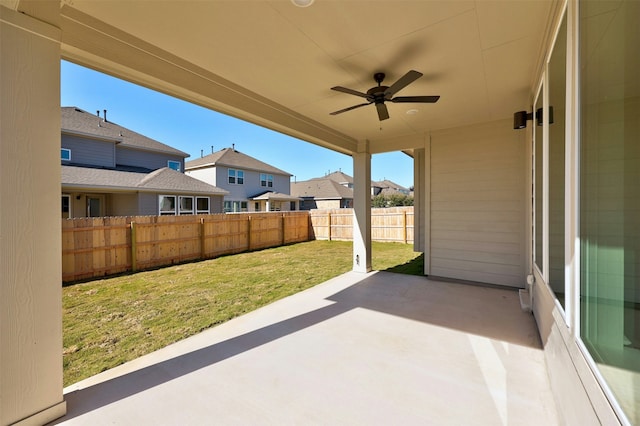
{"x":98,"y":113}
{"x":105,"y":115}
{"x":233,"y":146}
{"x":212,"y":149}
{"x":201,"y":153}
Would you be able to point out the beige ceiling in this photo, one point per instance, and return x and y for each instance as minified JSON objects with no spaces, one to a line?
{"x":273,"y":63}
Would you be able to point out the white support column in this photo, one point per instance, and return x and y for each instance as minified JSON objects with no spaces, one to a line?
{"x":30,"y":231}
{"x":362,"y":208}
{"x":422,"y":202}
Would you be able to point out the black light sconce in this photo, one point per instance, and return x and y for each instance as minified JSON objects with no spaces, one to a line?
{"x":520,"y":118}
{"x":539,"y":116}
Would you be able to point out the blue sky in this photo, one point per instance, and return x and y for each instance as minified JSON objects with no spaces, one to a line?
{"x":191,"y":128}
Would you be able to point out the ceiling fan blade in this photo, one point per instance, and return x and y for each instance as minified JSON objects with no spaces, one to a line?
{"x":383,"y":112}
{"x":418,"y":99}
{"x":351,"y":92}
{"x":349,"y":109}
{"x":403,"y":82}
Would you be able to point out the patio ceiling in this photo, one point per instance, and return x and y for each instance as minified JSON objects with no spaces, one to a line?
{"x":272,"y":63}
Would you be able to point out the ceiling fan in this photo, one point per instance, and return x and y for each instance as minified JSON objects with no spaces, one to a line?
{"x":379,"y":94}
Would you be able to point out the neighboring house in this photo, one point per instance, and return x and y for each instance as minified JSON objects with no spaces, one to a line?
{"x":252,"y":185}
{"x":109,"y":170}
{"x":335,"y":190}
{"x":341,"y":178}
{"x":322,"y":193}
{"x":387,"y":187}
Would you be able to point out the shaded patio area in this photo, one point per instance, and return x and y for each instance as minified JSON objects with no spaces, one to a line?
{"x":377,"y":348}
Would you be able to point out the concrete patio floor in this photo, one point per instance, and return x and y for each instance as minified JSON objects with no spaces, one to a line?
{"x":377,"y":348}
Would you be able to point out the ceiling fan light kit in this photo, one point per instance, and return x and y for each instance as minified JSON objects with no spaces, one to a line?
{"x":380,"y":94}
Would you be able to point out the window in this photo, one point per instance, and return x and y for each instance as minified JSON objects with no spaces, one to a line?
{"x":236,"y":176}
{"x":609,"y":195}
{"x":66,"y":206}
{"x":175,"y":165}
{"x":538,"y":173}
{"x":256,"y":206}
{"x":65,"y":154}
{"x":167,"y":204}
{"x":292,"y":206}
{"x":557,"y":78}
{"x":236,"y":206}
{"x":202,"y":205}
{"x":266,"y":180}
{"x":186,"y":205}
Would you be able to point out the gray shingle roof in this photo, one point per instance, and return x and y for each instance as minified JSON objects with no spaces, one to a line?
{"x":76,"y":121}
{"x":387,"y":184}
{"x":340,"y":177}
{"x":161,"y":180}
{"x":321,"y":189}
{"x":229,"y":157}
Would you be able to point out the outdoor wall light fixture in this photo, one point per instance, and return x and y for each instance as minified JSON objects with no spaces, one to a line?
{"x":520,"y":118}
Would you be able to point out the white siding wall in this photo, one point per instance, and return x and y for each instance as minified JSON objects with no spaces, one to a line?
{"x":477,"y":205}
{"x":207,"y":175}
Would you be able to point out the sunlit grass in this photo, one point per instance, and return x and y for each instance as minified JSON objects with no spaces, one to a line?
{"x":110,"y":321}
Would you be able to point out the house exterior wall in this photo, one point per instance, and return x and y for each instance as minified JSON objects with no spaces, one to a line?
{"x":208,"y":175}
{"x":216,"y":203}
{"x":585,"y":267}
{"x":88,"y":151}
{"x":148,"y":204}
{"x":477,"y":206}
{"x":150,"y":160}
{"x":219,"y":176}
{"x":123,"y":205}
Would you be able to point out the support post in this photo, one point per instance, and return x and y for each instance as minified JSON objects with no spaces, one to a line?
{"x":329,"y":226}
{"x":362,"y":209}
{"x":30,"y":236}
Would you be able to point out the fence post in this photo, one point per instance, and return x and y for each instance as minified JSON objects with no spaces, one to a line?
{"x":404,"y":226}
{"x":202,"y":238}
{"x":329,"y":224}
{"x":134,"y":248}
{"x":248,"y":233}
{"x":283,"y":233}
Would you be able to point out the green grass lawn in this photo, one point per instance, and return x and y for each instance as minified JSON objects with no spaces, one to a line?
{"x":110,"y":321}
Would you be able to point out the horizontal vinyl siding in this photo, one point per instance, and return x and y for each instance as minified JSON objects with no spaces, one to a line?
{"x":146,"y":159}
{"x":148,"y":204}
{"x":89,"y":151}
{"x":477,"y":205}
{"x":216,"y":204}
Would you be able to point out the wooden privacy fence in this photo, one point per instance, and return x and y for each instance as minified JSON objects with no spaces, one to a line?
{"x":94,"y":247}
{"x":394,"y":224}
